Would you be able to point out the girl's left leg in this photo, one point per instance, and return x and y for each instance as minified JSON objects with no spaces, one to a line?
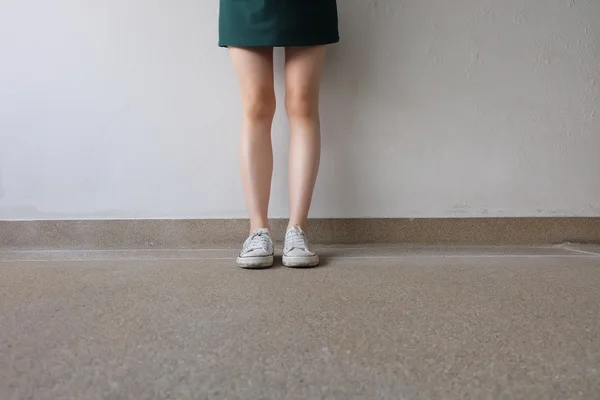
{"x":303,"y":71}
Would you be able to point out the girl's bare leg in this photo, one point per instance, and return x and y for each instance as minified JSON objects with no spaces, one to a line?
{"x":254,"y":68}
{"x":303,"y":70}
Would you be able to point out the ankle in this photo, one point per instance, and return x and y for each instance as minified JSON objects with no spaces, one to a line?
{"x":254,"y":228}
{"x":294,"y":224}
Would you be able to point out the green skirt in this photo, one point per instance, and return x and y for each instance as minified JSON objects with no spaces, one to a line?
{"x":277,"y":23}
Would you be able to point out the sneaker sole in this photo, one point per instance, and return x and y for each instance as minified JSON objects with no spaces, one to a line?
{"x":255,"y":262}
{"x":301,"y":262}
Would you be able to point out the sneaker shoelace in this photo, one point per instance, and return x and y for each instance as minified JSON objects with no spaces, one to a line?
{"x":295,"y":239}
{"x":258,"y":241}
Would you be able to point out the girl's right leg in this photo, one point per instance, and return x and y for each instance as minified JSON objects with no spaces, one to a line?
{"x":254,"y":68}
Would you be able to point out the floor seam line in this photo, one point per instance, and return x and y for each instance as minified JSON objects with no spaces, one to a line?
{"x":514,"y":256}
{"x":582,"y":251}
{"x":200,"y":249}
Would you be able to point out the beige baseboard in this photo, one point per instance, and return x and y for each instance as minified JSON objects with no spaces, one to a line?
{"x":172,"y":234}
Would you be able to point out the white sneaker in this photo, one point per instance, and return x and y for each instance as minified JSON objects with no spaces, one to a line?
{"x":296,"y":251}
{"x":257,"y":251}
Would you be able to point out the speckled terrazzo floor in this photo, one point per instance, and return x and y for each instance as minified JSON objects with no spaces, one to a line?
{"x":374,"y":322}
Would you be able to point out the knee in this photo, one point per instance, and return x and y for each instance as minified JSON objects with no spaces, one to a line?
{"x":301,"y":106}
{"x":260,"y":105}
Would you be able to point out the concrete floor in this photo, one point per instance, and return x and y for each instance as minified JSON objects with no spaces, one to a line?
{"x":371,"y":323}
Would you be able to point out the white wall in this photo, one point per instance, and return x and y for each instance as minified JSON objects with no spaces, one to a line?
{"x":432,"y":108}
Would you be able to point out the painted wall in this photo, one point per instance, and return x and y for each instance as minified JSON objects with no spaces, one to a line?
{"x":431,"y":108}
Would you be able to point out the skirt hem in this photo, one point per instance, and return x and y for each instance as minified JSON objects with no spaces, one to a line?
{"x":242,"y":43}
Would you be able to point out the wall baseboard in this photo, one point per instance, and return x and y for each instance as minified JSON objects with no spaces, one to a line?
{"x":173,"y":234}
